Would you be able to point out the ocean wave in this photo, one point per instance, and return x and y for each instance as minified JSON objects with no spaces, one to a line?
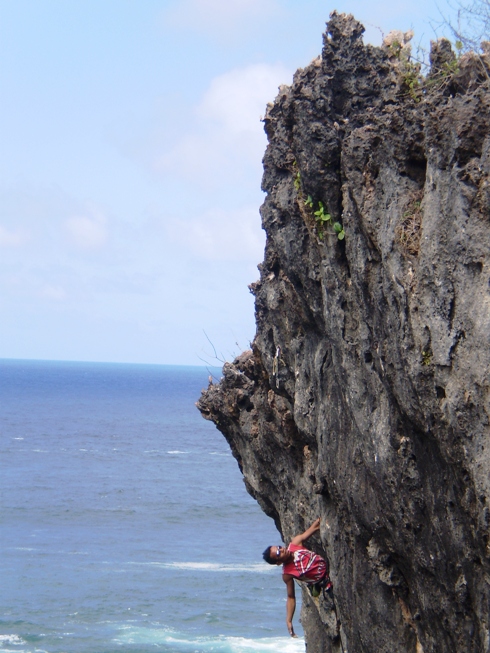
{"x":22,"y":650}
{"x":20,"y":548}
{"x":11,"y":640}
{"x":177,"y":452}
{"x":6,"y":641}
{"x":255,"y":568}
{"x":173,"y":641}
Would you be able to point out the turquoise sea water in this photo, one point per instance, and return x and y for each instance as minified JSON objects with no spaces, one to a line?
{"x":125,"y":525}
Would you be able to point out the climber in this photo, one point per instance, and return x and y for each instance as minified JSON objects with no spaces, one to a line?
{"x":302,"y":564}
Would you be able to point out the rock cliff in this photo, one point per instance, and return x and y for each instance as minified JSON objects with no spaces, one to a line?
{"x":365,"y":398}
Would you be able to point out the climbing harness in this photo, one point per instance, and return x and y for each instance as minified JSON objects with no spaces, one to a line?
{"x":323,"y":586}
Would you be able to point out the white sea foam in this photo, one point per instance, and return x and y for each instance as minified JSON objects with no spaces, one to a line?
{"x":176,"y":452}
{"x":266,"y":644}
{"x":11,"y":640}
{"x":183,"y":642}
{"x":220,"y":644}
{"x":255,"y":568}
{"x":22,"y":548}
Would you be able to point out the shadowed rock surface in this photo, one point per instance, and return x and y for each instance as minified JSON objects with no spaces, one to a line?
{"x":365,"y":398}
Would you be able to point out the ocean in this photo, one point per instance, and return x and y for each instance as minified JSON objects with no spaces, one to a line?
{"x":125,"y":524}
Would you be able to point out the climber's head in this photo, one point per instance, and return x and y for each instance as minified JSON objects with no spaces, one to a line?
{"x":276,"y":555}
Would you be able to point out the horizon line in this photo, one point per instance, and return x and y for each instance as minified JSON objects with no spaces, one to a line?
{"x":92,"y":362}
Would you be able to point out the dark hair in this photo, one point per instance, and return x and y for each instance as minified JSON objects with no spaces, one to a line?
{"x":267,"y":556}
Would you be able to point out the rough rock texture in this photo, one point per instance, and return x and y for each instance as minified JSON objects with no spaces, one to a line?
{"x":365,"y":399}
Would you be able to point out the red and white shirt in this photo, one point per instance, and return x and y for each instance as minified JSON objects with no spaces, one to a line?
{"x":305,"y":565}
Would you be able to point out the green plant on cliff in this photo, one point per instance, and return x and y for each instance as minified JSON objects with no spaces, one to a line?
{"x":395,"y":48}
{"x":321,"y":215}
{"x":321,"y":219}
{"x":426,"y":357}
{"x":339,"y":230}
{"x":297,"y":181}
{"x":324,"y":219}
{"x":418,"y":85}
{"x":438,"y":80}
{"x":412,"y":80}
{"x":450,"y":68}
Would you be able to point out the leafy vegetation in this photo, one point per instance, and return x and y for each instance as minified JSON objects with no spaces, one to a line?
{"x":324,"y":219}
{"x":297,"y":181}
{"x":415,"y":81}
{"x":412,"y":80}
{"x":426,"y":357}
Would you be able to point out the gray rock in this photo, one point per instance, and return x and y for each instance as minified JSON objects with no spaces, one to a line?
{"x":365,"y":398}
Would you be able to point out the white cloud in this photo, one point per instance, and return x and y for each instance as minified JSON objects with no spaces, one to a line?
{"x":237,"y":99}
{"x":87,"y":232}
{"x":227,"y":135}
{"x":221,"y":235}
{"x":13,"y":238}
{"x":218,"y":15}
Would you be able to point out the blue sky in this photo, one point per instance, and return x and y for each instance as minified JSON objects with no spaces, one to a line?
{"x":130,"y":167}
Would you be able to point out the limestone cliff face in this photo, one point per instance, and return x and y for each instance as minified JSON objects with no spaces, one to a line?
{"x":365,"y":399}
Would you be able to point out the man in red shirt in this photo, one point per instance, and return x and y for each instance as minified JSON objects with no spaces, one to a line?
{"x":302,"y":564}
